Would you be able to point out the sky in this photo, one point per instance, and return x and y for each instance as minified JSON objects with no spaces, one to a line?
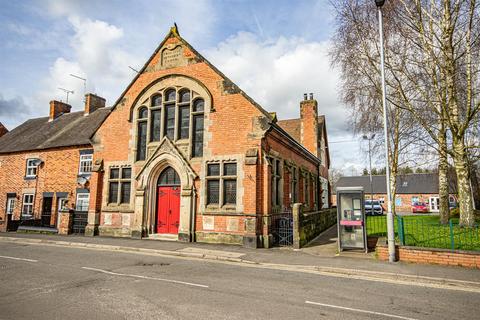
{"x":274,"y":50}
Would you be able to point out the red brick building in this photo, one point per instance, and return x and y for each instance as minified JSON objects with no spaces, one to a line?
{"x":45,"y":165}
{"x":186,"y":155}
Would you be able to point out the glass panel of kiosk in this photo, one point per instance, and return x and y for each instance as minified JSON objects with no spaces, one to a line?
{"x":351,"y":218}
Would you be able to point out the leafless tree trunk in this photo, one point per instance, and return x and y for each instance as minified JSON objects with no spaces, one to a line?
{"x":430,"y":46}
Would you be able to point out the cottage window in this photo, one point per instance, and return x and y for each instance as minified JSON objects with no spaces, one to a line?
{"x":62,"y":204}
{"x":10,"y":205}
{"x":31,"y":171}
{"x":221,"y":184}
{"x":83,"y":200}
{"x":171,"y":114}
{"x":119,"y":185}
{"x":85,"y":166}
{"x":27,"y":205}
{"x":276,"y":179}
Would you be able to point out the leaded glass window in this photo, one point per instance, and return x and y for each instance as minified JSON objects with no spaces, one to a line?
{"x":142,"y":140}
{"x":173,"y":114}
{"x":170,"y":95}
{"x":184,"y":122}
{"x":169,"y":177}
{"x":155,"y":129}
{"x":221,"y":184}
{"x":170,"y":121}
{"x":119,"y":185}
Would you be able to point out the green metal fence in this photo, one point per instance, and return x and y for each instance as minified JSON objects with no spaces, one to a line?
{"x":426,"y":231}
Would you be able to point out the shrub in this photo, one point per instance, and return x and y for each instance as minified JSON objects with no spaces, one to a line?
{"x":455,"y":213}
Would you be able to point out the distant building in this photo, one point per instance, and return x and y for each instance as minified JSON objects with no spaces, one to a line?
{"x":415,"y":187}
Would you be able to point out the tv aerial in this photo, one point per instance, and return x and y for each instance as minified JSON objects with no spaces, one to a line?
{"x":84,"y":84}
{"x":67,"y":92}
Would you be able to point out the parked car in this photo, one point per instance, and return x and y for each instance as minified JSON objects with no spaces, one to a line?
{"x":420,"y":207}
{"x":373,"y":208}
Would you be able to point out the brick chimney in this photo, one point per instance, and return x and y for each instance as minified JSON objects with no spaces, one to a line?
{"x":57,"y":108}
{"x":309,"y":124}
{"x":92,"y":103}
{"x":3,"y":129}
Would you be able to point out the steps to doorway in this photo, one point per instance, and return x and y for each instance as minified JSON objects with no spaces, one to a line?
{"x":163,"y":236}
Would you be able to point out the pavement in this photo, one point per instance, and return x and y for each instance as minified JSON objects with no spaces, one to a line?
{"x":320,"y":255}
{"x":57,"y":277}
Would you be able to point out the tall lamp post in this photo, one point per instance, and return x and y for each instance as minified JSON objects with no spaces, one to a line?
{"x":390,"y":226}
{"x":365,"y":137}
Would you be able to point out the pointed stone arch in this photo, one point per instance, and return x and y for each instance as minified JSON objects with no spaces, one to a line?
{"x":165,"y":155}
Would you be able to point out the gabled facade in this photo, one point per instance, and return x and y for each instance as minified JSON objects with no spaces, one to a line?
{"x":186,"y":155}
{"x":45,"y":165}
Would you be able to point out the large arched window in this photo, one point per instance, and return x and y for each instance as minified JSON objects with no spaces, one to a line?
{"x":169,"y":177}
{"x":172,"y":114}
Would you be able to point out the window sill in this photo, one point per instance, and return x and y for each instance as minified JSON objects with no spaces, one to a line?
{"x":218,"y":209}
{"x":84,"y":175}
{"x":29,"y":177}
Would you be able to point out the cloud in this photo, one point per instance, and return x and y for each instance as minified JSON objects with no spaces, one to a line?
{"x":277,"y":72}
{"x":13,"y":111}
{"x":97,"y":55}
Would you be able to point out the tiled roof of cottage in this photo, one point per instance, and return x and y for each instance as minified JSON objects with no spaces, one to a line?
{"x":69,"y":129}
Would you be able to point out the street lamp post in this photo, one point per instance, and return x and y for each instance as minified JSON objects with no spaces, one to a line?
{"x":390,"y":225}
{"x":365,"y":137}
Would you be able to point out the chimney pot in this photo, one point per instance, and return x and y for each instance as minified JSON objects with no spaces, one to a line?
{"x":311,"y":96}
{"x":57,"y":108}
{"x":305,"y":96}
{"x":92,"y":103}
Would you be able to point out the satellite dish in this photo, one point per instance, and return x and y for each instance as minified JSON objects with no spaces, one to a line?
{"x":81,"y":180}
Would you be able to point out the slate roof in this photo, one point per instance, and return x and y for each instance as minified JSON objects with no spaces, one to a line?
{"x":417,"y":183}
{"x":69,"y":129}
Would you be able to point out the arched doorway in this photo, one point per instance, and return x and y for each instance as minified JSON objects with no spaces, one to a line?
{"x":168,"y":202}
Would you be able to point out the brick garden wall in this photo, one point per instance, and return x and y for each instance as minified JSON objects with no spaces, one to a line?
{"x":447,"y":257}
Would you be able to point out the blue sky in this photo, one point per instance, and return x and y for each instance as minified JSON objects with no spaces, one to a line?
{"x":274,"y":50}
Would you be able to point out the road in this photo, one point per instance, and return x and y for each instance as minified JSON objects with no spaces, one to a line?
{"x":46,"y":282}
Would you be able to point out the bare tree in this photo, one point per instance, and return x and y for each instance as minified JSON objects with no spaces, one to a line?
{"x":430,"y":46}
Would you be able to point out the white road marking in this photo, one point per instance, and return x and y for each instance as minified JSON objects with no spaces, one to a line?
{"x":20,"y":259}
{"x":145,"y":277}
{"x":359,"y":310}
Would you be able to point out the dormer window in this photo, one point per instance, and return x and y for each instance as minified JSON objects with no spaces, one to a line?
{"x":31,"y":170}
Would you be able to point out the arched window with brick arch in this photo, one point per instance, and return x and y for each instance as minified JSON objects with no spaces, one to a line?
{"x":175,"y":113}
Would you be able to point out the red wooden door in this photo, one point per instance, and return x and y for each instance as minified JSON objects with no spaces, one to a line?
{"x":168,"y":209}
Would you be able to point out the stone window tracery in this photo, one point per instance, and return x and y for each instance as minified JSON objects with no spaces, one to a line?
{"x":172,"y":113}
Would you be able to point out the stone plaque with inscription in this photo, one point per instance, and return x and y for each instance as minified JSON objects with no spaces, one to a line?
{"x":172,"y":57}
